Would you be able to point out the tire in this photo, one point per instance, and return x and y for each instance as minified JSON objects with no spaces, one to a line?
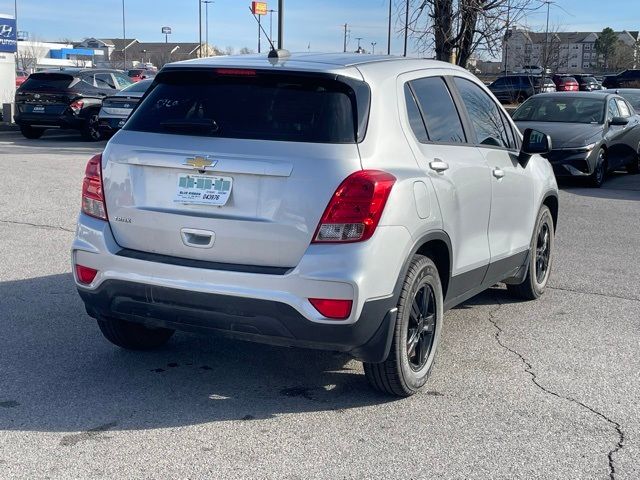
{"x":30,"y":132}
{"x":596,"y":179}
{"x":90,"y":131}
{"x":133,"y":336}
{"x":540,"y":259}
{"x":416,"y":334}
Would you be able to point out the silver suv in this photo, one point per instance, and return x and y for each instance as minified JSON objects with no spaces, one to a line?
{"x":338,"y":202}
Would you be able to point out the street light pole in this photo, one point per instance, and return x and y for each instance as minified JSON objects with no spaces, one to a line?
{"x":206,"y":22}
{"x":280,"y":24}
{"x":124,"y":40}
{"x":200,"y":28}
{"x":546,"y":45}
{"x":271,"y":25}
{"x":373,"y":48}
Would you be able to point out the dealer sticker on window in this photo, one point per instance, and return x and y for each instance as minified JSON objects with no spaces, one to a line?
{"x":203,"y":190}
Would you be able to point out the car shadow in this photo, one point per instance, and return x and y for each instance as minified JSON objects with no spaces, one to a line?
{"x":50,"y":138}
{"x":59,"y":374}
{"x":617,"y":186}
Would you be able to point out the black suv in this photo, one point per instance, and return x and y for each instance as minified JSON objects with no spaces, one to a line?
{"x":626,"y":79}
{"x":587,"y":83}
{"x":517,"y":88}
{"x":65,"y":99}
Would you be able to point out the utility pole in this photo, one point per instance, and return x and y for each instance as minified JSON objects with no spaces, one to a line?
{"x":344,"y":48}
{"x":259,"y":33}
{"x":280,"y":23}
{"x":406,"y":28}
{"x":200,"y":28}
{"x":389,"y":31}
{"x":373,"y":48}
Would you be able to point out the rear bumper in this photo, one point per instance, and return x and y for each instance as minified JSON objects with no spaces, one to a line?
{"x":258,"y":304}
{"x":52,"y":121}
{"x":111,"y":124}
{"x":263,"y":321}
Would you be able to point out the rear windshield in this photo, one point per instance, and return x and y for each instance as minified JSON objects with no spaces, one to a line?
{"x":255,"y":105}
{"x":47,"y":81}
{"x":134,"y":73}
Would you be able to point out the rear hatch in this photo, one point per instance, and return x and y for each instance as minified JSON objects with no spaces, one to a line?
{"x":231,"y":165}
{"x":119,"y":106}
{"x":46,"y":93}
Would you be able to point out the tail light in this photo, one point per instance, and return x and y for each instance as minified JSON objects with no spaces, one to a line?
{"x":76,"y":106}
{"x":334,"y":309}
{"x":355,"y":209}
{"x":85,"y":274}
{"x":93,"y":202}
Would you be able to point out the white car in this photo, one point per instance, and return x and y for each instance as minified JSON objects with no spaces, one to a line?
{"x":333,"y":201}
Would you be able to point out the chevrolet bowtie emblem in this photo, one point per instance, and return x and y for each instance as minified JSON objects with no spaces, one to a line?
{"x":200,"y":162}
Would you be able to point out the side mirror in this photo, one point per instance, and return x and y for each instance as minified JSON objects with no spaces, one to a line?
{"x":534,"y":143}
{"x":619,"y":121}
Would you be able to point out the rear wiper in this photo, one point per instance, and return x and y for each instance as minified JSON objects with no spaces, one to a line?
{"x":205,"y":126}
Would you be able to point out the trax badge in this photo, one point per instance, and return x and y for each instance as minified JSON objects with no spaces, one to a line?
{"x":200,"y":162}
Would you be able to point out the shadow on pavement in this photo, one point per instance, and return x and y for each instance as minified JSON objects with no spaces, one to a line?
{"x":617,"y":186}
{"x":59,"y":374}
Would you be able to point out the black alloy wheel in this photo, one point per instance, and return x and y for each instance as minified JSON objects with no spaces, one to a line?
{"x":91,"y":129}
{"x":543,"y":253}
{"x":422,"y":327}
{"x":600,"y":170}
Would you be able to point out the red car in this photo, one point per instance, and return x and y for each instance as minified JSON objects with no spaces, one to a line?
{"x":565,"y":83}
{"x":21,"y":77}
{"x":138,"y":74}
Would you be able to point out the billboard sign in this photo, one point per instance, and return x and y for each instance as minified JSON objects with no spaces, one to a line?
{"x":166,"y":30}
{"x":8,"y":34}
{"x":259,"y":8}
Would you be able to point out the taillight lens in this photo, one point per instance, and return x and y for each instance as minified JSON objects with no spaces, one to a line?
{"x":85,"y":274}
{"x":355,"y":209}
{"x":93,"y":202}
{"x":76,"y":106}
{"x":334,"y":309}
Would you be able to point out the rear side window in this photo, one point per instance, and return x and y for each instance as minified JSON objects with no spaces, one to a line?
{"x":438,"y":110}
{"x":484,"y":115}
{"x":415,"y":118}
{"x":255,"y":105}
{"x":47,"y":81}
{"x":105,"y":80}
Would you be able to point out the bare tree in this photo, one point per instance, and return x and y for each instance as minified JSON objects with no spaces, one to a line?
{"x":455,"y":29}
{"x":28,"y":54}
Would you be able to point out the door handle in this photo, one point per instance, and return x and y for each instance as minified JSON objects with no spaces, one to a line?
{"x":438,"y":165}
{"x":498,"y":172}
{"x":192,"y":237}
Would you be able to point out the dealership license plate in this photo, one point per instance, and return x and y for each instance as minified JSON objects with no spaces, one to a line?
{"x":38,"y":109}
{"x":203,"y":190}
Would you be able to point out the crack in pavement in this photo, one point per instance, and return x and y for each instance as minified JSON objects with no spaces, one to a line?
{"x":606,"y":295}
{"x":37,"y":225}
{"x":534,"y":378}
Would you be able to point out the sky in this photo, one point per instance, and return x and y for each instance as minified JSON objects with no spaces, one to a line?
{"x":314,"y":25}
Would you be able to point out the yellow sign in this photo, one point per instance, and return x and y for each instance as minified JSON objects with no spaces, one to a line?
{"x":259,"y":8}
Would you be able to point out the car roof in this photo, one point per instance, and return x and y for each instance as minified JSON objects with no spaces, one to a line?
{"x":75,"y":71}
{"x":600,"y":93}
{"x":317,"y":62}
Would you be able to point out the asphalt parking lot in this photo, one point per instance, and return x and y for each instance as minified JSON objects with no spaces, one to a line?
{"x":547,"y":389}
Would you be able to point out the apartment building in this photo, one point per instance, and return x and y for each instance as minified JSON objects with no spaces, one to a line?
{"x":571,"y":52}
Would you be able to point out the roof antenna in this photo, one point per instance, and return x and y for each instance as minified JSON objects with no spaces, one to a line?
{"x":274,"y":52}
